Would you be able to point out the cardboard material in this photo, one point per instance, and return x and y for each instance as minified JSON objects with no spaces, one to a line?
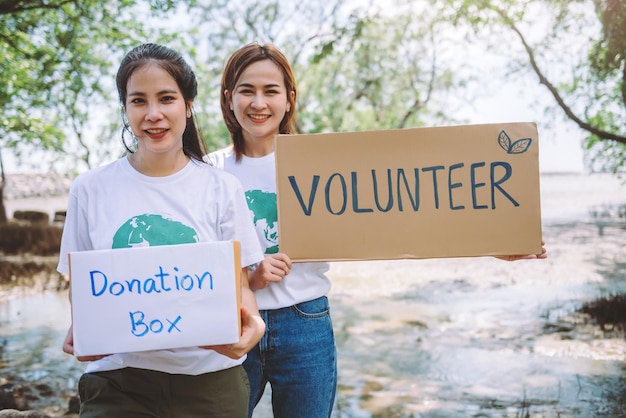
{"x":160,"y":297}
{"x":454,"y":191}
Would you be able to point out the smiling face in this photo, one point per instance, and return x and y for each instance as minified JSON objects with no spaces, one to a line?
{"x":259,"y":102}
{"x":156,"y":111}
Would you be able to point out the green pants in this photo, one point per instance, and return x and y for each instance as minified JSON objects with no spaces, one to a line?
{"x":138,"y":393}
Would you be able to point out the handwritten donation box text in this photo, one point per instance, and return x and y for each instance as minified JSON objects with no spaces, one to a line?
{"x":160,"y":297}
{"x":454,"y":191}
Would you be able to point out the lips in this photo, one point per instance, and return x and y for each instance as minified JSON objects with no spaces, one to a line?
{"x":258,"y":118}
{"x":155,"y":131}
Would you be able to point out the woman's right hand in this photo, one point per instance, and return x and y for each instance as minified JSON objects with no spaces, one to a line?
{"x":272,"y":269}
{"x":68,"y":347}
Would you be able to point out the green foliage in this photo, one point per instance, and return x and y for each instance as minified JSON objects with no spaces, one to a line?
{"x":56,"y":72}
{"x":607,"y":67}
{"x":387,"y":65}
{"x":609,"y":52}
{"x":56,"y":55}
{"x":221,"y":27}
{"x":357,"y":68}
{"x":379,"y":71}
{"x":589,"y":88}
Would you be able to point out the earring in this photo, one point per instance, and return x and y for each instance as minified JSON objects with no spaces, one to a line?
{"x":132,"y":146}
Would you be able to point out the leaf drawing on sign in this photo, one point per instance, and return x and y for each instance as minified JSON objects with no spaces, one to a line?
{"x":504,"y":141}
{"x":518,"y":147}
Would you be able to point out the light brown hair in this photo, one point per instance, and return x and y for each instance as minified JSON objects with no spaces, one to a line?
{"x":236,"y":65}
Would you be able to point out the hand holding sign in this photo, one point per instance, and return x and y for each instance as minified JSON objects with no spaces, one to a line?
{"x":252,"y":329}
{"x":540,"y":256}
{"x":272,"y":269}
{"x":68,"y":347}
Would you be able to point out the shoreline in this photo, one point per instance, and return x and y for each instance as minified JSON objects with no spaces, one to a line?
{"x":38,"y":191}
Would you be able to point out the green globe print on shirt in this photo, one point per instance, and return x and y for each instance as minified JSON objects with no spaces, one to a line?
{"x":151,"y":230}
{"x":263,"y":206}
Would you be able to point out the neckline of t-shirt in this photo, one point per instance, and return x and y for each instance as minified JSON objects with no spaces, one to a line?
{"x":257,"y":160}
{"x":158,"y":179}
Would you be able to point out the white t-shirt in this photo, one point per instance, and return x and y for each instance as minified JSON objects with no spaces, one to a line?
{"x":305,"y":281}
{"x":115,"y":206}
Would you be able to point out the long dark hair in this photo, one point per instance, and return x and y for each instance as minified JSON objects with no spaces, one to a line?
{"x":173,"y":63}
{"x":236,"y":65}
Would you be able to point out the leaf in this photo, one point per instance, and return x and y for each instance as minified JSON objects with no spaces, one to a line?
{"x":504,"y":141}
{"x":520,"y":146}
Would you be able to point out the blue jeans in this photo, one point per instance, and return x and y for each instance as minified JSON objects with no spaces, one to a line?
{"x":297,"y":356}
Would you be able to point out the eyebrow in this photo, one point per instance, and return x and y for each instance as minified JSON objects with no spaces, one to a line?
{"x":162,"y":92}
{"x":265,"y":86}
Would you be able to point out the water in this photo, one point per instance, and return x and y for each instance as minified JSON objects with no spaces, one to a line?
{"x":482,"y":337}
{"x":32,"y":329}
{"x":474,"y":337}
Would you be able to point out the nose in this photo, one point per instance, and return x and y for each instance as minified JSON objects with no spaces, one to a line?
{"x":258,"y":102}
{"x":153,"y":112}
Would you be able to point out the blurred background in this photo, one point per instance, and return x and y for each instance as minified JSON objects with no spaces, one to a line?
{"x":360,"y":65}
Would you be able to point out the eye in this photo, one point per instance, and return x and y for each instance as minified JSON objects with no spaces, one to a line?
{"x":136,"y":100}
{"x":167,"y":99}
{"x":246,"y":92}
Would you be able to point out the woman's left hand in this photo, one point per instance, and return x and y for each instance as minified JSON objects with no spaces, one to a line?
{"x":542,"y":255}
{"x":252,"y":330}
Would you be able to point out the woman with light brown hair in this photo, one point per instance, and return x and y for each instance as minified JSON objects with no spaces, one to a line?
{"x":297,"y":354}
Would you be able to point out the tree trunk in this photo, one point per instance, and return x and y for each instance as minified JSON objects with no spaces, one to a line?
{"x":3,"y":182}
{"x":3,"y":210}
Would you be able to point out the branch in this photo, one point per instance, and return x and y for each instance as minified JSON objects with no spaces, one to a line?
{"x":10,"y":41}
{"x":419,"y":104}
{"x":18,"y":6}
{"x":3,"y":179}
{"x":604,"y":135}
{"x":624,"y":82}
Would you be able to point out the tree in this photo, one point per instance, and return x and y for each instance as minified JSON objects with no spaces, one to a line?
{"x":55,"y":54}
{"x":360,"y":67}
{"x":587,"y":79}
{"x":381,"y":70}
{"x":222,"y":26}
{"x":363,"y":66}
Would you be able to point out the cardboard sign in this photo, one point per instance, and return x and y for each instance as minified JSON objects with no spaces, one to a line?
{"x":159,"y":297}
{"x":411,"y":193}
